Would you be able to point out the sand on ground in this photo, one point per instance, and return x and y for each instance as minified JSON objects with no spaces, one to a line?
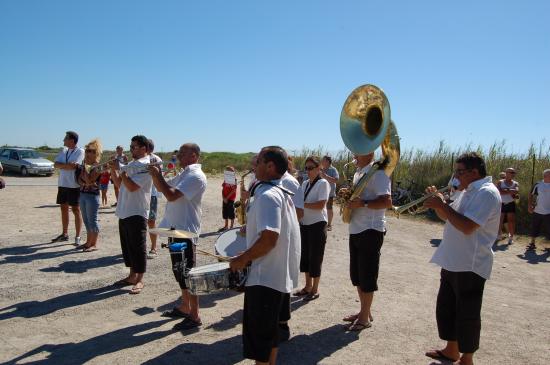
{"x":57,"y":305}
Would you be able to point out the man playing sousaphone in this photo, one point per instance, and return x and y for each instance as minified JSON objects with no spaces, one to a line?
{"x":366,"y":236}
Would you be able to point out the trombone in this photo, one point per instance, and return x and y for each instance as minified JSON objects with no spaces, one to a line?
{"x":415,"y":207}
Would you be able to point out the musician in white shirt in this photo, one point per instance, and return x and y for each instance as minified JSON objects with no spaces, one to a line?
{"x":465,"y":256}
{"x":132,"y":210}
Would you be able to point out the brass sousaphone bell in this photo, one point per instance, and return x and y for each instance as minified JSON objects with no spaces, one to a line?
{"x":365,"y":124}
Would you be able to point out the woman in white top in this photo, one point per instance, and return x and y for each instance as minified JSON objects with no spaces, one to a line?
{"x":314,"y":193}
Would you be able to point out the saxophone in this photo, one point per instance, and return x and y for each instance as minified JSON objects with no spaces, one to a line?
{"x":365,"y":124}
{"x":240,"y":206}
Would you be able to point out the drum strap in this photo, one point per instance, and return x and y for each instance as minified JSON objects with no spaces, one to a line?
{"x":284,"y":190}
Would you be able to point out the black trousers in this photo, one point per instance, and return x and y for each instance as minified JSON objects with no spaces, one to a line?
{"x":133,"y":241}
{"x":314,"y":239}
{"x":264,"y":308}
{"x":458,"y":310}
{"x":364,"y":259}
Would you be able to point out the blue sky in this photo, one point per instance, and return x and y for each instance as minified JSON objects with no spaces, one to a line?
{"x":238,"y":75}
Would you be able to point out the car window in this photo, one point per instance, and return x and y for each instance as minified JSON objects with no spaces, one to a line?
{"x":5,"y":154}
{"x":13,"y":155}
{"x":29,"y":154}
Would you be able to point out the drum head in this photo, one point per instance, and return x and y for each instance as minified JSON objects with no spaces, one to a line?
{"x":218,"y":266}
{"x":230,"y":243}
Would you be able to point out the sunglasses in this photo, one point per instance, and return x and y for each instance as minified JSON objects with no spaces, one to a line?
{"x":309,"y":168}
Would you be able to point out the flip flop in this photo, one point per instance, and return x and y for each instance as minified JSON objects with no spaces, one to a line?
{"x":175,"y":313}
{"x":136,"y":290}
{"x":187,"y":324}
{"x":310,"y":297}
{"x":358,"y":327}
{"x":89,"y":249}
{"x":439,"y":355}
{"x":350,"y":318}
{"x":301,"y":293}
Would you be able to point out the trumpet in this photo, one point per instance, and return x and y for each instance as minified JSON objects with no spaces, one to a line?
{"x":414,"y":207}
{"x":139,"y":168}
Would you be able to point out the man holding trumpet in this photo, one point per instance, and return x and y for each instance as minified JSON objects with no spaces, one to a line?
{"x":465,"y":256}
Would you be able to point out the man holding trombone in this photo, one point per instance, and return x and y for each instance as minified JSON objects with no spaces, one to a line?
{"x":465,"y":256}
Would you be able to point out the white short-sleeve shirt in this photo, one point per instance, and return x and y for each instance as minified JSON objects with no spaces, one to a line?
{"x":137,"y":202}
{"x":272,"y":209}
{"x":319,"y":191}
{"x":185,"y":213}
{"x":543,"y":198}
{"x":290,"y":183}
{"x":366,"y":218}
{"x":459,"y":252}
{"x":66,"y":177}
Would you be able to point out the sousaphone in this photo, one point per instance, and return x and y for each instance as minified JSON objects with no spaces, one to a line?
{"x":365,"y":125}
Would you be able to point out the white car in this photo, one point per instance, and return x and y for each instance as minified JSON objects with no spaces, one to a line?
{"x":25,"y":161}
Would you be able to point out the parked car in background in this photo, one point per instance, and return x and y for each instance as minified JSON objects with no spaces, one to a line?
{"x":25,"y":161}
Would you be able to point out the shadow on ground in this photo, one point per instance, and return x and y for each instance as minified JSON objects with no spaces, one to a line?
{"x":82,"y":352}
{"x":78,"y":267}
{"x":26,"y":254}
{"x":312,"y":349}
{"x":35,"y":308}
{"x":532,"y":257}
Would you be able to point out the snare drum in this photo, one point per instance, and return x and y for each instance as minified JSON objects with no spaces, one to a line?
{"x":210,"y":278}
{"x":230,"y":243}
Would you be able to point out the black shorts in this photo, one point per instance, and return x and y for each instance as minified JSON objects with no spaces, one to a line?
{"x":330,"y":201}
{"x":264,"y":308}
{"x":182,"y":262}
{"x":540,"y":224}
{"x":508,"y":208}
{"x":314,"y":239}
{"x":228,"y":210}
{"x":133,"y":242}
{"x":69,"y":196}
{"x":364,"y":263}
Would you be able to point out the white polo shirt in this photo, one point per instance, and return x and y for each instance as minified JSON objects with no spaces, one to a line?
{"x":366,"y":218}
{"x":136,"y":202}
{"x":289,"y":182}
{"x":271,"y":209}
{"x":66,"y":177}
{"x":185,"y":213}
{"x":543,"y":198}
{"x":459,"y":252}
{"x":319,"y":191}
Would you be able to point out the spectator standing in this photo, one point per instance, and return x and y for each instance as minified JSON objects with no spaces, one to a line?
{"x":68,"y":191}
{"x":539,"y":207}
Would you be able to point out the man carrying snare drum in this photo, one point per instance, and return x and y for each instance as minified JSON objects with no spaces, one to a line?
{"x":183,"y":211}
{"x":273,"y":248}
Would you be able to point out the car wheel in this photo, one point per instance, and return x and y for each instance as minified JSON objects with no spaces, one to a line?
{"x":24,"y":171}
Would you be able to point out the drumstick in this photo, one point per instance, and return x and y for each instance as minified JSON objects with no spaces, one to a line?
{"x":219,"y":257}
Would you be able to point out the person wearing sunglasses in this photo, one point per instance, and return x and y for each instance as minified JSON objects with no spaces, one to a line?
{"x":509,"y":191}
{"x":68,"y":191}
{"x":132,"y":210}
{"x":314,"y":194}
{"x":88,"y":178}
{"x":465,"y":256}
